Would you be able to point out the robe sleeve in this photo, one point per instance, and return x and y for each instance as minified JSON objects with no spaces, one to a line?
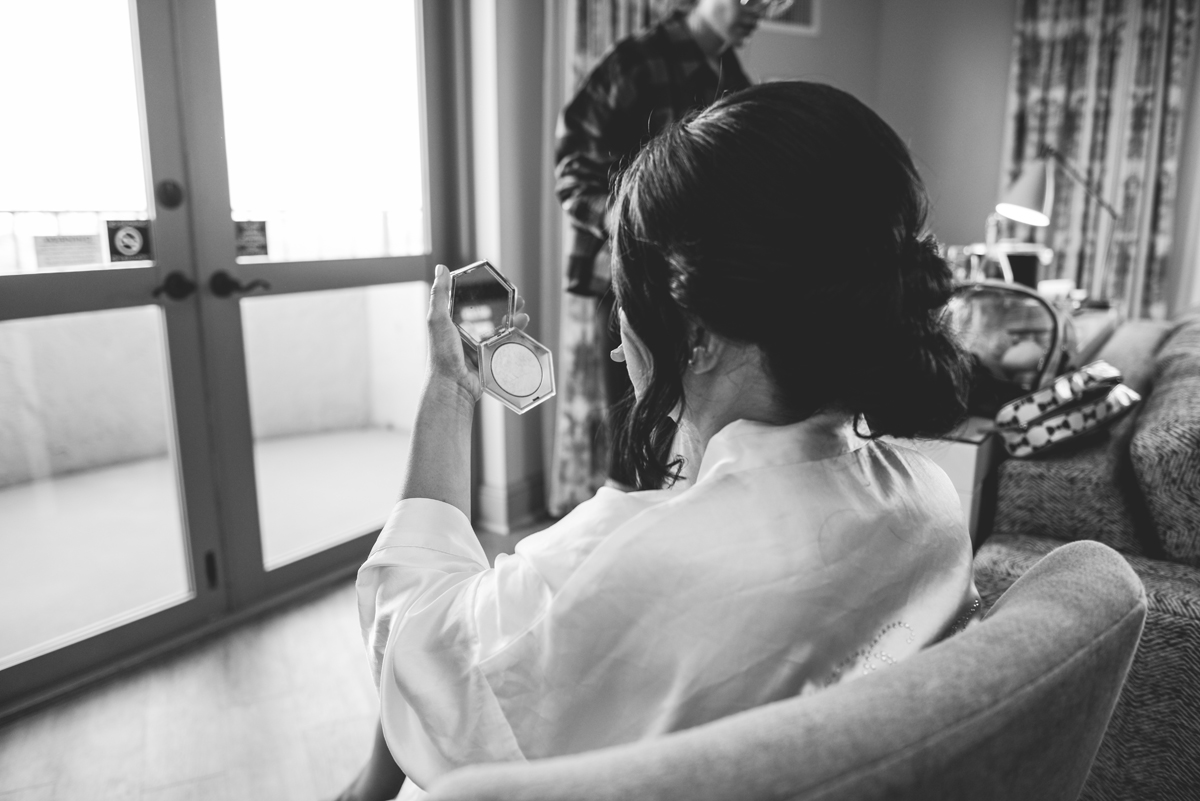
{"x":436,"y":619}
{"x":428,"y":612}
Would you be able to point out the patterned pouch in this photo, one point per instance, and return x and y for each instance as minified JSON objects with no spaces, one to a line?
{"x":1073,"y":405}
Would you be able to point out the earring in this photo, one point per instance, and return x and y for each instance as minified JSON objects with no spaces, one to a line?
{"x":696,"y":352}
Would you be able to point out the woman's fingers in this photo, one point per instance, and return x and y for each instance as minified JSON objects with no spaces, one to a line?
{"x":518,"y":319}
{"x":441,"y":327}
{"x":439,"y":294}
{"x":445,"y":346}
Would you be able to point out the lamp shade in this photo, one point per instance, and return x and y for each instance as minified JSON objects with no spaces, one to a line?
{"x":1030,"y":198}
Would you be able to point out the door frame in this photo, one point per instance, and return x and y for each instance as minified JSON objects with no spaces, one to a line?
{"x":179,"y":79}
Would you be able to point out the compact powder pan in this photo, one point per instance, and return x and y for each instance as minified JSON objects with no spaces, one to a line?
{"x":514,"y":368}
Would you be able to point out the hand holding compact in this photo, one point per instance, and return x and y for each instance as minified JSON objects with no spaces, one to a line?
{"x":447,"y":367}
{"x":512,"y":366}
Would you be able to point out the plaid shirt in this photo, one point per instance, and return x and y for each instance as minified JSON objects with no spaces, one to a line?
{"x":640,"y":86}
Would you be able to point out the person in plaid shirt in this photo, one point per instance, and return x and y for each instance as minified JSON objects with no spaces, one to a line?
{"x":643,"y":84}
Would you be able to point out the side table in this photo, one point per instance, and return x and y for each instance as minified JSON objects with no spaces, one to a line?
{"x":969,"y":455}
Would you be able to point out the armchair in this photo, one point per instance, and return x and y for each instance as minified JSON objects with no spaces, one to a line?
{"x":1013,"y":707}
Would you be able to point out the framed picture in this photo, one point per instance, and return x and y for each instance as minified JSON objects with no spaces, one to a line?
{"x":804,"y":18}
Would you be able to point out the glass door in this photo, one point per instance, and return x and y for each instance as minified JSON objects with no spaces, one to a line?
{"x":308,"y":136}
{"x":108,"y":525}
{"x":216,"y":226}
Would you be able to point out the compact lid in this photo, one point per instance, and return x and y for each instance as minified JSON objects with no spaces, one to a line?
{"x":482,"y":302}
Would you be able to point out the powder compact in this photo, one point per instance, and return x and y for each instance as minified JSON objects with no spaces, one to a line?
{"x":514,"y":368}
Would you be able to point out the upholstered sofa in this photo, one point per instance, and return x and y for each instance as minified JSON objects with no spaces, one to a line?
{"x":1136,"y":488}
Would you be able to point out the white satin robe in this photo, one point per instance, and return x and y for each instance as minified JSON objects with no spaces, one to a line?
{"x":645,"y":612}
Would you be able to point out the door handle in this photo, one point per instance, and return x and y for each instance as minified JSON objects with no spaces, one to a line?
{"x":222,"y":284}
{"x":169,"y":194}
{"x":175,"y":286}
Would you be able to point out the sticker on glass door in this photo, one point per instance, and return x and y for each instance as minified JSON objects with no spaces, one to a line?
{"x":251,"y":237}
{"x":129,"y":240}
{"x":74,"y":250}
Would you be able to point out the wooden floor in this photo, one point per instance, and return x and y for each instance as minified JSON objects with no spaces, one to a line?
{"x":280,"y":708}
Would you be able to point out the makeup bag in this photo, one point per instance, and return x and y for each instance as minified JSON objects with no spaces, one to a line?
{"x":1071,"y":406}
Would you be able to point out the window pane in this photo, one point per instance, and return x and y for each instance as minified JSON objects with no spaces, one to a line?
{"x":91,"y":534}
{"x":323,"y":125}
{"x":71,"y":152}
{"x":334,"y":380}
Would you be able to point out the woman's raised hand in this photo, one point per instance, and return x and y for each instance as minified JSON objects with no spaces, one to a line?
{"x":448,"y":367}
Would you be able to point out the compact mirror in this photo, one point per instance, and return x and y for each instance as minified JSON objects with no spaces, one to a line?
{"x":514,"y":368}
{"x":480,"y":301}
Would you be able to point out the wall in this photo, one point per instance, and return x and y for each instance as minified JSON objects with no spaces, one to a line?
{"x":80,"y":391}
{"x":936,"y":70}
{"x":306,"y":362}
{"x":943,"y":82}
{"x":396,"y":341}
{"x":507,"y":69}
{"x":341,"y":359}
{"x":844,"y":52}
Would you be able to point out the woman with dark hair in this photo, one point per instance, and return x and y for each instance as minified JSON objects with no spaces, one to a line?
{"x":788,"y":222}
{"x":780,"y":310}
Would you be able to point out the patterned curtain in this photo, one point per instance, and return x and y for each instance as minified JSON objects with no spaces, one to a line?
{"x":1105,"y":82}
{"x":580,"y":463}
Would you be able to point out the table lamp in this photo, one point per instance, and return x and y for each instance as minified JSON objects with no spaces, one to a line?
{"x":1030,"y":198}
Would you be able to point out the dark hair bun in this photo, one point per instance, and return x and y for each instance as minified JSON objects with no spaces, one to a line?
{"x":926,"y":282}
{"x":790,"y":216}
{"x":922,"y":364}
{"x":879,"y":347}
